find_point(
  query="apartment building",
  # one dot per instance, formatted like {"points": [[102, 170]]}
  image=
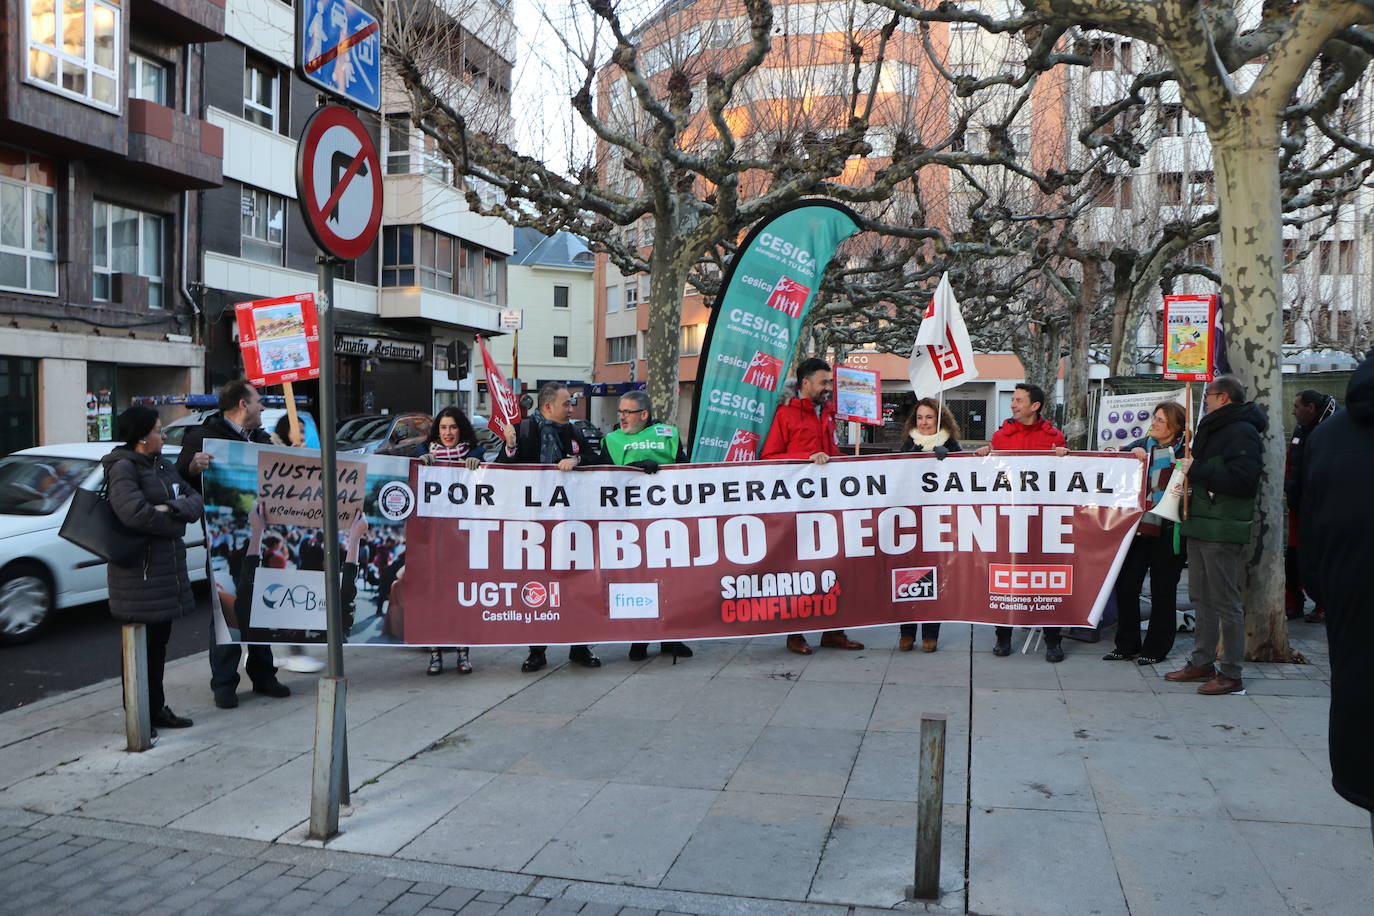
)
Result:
{"points": [[437, 271], [103, 155]]}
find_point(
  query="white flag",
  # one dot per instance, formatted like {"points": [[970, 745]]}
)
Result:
{"points": [[942, 356]]}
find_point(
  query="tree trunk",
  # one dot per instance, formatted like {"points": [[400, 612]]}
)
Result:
{"points": [[1077, 370], [1038, 350], [662, 341], [1246, 163]]}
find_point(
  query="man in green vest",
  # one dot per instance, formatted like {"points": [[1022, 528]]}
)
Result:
{"points": [[639, 442]]}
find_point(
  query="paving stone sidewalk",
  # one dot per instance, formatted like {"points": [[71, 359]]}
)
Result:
{"points": [[745, 780]]}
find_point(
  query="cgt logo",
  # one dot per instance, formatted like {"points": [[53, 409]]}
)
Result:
{"points": [[1026, 579], [914, 584]]}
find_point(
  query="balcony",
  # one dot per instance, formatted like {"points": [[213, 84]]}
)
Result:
{"points": [[187, 21], [172, 148], [439, 308]]}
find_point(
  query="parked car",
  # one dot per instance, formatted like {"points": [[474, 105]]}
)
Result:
{"points": [[176, 430], [40, 572], [366, 434]]}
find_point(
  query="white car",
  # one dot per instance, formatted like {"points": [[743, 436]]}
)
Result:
{"points": [[39, 571]]}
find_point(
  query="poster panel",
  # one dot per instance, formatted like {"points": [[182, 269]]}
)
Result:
{"points": [[280, 339], [858, 395], [1189, 326], [1124, 418]]}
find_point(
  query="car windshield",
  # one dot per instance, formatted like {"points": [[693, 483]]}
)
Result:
{"points": [[174, 434], [39, 484], [363, 429]]}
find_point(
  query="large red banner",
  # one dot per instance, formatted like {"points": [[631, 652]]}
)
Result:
{"points": [[519, 555]]}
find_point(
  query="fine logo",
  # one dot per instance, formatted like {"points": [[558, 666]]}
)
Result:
{"points": [[789, 296], [634, 600], [395, 501], [914, 584]]}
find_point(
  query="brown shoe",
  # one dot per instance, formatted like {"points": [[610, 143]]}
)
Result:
{"points": [[1220, 685], [927, 645], [835, 639], [1189, 673], [906, 643], [797, 643]]}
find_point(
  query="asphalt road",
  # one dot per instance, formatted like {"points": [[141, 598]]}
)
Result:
{"points": [[81, 646]]}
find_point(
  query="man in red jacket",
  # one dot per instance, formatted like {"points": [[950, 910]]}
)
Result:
{"points": [[1027, 431], [804, 427]]}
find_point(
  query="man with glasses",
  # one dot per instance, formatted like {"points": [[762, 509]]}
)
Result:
{"points": [[642, 442], [1223, 475]]}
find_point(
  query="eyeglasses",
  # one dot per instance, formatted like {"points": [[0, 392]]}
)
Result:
{"points": [[628, 412], [1211, 394]]}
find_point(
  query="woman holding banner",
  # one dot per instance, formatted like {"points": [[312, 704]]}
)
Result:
{"points": [[922, 433], [1153, 550], [451, 440]]}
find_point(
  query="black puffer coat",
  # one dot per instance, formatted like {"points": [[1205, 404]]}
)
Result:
{"points": [[157, 588], [1337, 542]]}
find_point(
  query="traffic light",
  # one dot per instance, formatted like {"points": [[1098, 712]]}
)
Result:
{"points": [[459, 354]]}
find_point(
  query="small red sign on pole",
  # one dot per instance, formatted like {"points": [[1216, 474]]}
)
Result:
{"points": [[280, 339], [1189, 329]]}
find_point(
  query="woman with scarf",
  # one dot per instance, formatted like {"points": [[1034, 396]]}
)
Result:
{"points": [[923, 433], [1154, 550], [451, 440]]}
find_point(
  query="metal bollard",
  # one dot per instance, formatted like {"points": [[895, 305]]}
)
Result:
{"points": [[328, 772], [138, 729], [930, 807]]}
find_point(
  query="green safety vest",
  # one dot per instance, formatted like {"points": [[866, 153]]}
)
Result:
{"points": [[657, 442]]}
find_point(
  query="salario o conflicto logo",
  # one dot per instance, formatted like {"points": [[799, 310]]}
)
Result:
{"points": [[395, 500]]}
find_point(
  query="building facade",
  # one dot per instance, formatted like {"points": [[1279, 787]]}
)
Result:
{"points": [[105, 152]]}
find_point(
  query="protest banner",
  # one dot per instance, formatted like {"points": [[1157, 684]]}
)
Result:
{"points": [[1124, 418], [530, 555], [750, 338]]}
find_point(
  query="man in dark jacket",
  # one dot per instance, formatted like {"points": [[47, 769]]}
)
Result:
{"points": [[548, 437], [1223, 475], [804, 427], [1310, 407], [1338, 542], [239, 417]]}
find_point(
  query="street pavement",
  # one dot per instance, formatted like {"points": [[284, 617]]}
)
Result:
{"points": [[745, 780]]}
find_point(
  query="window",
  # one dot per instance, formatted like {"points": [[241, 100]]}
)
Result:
{"points": [[436, 260], [632, 295], [493, 278], [1171, 187], [417, 256], [1171, 119], [1201, 253], [401, 152], [468, 260], [1292, 249], [689, 339], [261, 100], [1337, 257], [127, 242], [1096, 113], [1200, 188], [147, 79], [398, 144], [560, 347], [620, 349], [262, 218], [1107, 54], [73, 46], [560, 297], [28, 258], [613, 298], [398, 255]]}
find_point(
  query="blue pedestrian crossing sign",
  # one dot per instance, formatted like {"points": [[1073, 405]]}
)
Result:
{"points": [[339, 49]]}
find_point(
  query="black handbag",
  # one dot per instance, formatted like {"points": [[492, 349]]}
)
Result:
{"points": [[91, 524]]}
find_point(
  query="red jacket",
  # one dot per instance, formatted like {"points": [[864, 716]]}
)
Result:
{"points": [[1040, 436], [798, 433]]}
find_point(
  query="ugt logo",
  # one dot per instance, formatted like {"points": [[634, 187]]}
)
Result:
{"points": [[788, 296], [744, 446], [914, 584], [763, 371]]}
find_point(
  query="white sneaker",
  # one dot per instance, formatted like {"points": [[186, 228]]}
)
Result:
{"points": [[304, 664]]}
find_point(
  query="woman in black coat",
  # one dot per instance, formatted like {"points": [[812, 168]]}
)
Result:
{"points": [[149, 497], [922, 433]]}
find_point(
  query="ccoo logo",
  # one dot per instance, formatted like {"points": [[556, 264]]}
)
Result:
{"points": [[1029, 579]]}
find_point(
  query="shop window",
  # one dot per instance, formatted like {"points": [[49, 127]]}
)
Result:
{"points": [[100, 400], [28, 257], [262, 217], [72, 49], [560, 347], [18, 403], [127, 243], [148, 79]]}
